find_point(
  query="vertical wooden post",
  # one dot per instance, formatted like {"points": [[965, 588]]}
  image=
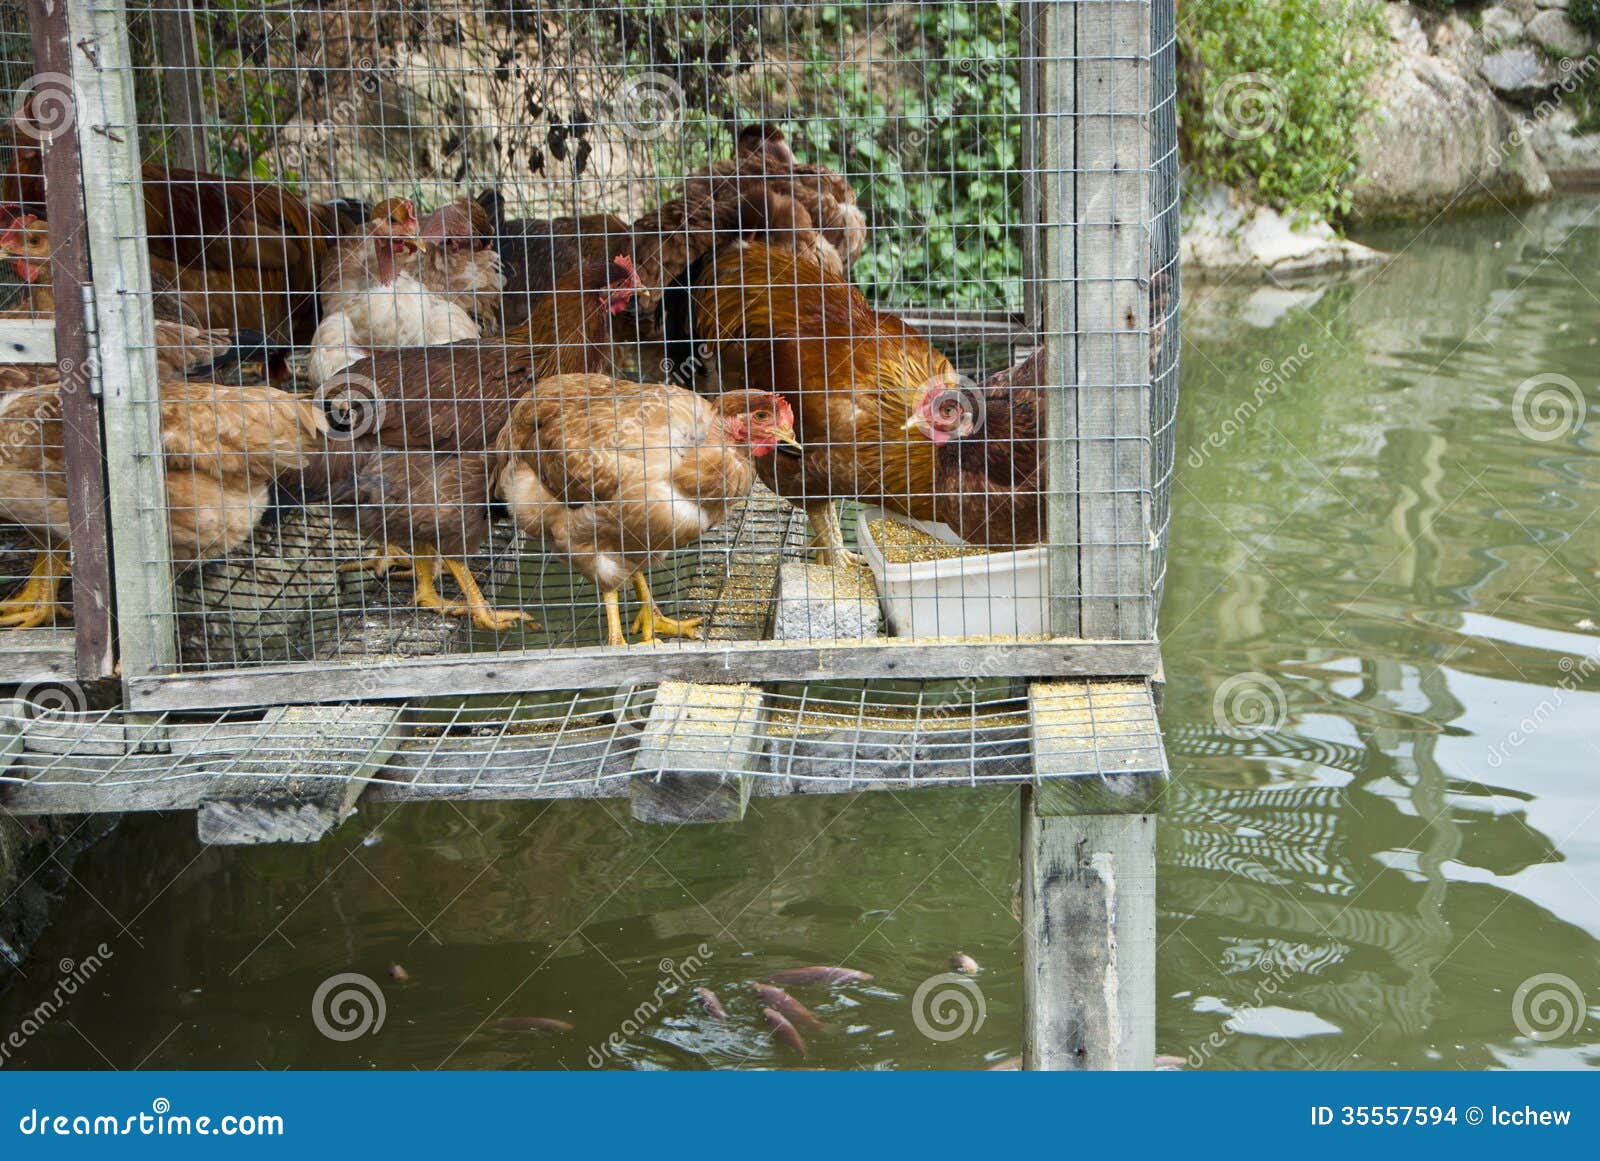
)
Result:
{"points": [[1089, 875], [125, 334], [1054, 34], [1113, 244], [183, 105], [80, 414]]}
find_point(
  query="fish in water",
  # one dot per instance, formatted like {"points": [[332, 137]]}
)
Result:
{"points": [[782, 1001], [530, 1024], [1009, 1064], [965, 964], [785, 1033], [399, 974], [712, 1005], [790, 977]]}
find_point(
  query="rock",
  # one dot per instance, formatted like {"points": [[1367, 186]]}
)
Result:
{"points": [[1225, 236], [1524, 10], [1501, 26], [1405, 26], [1557, 35], [1571, 158], [1518, 74], [1561, 4], [1437, 139], [820, 603]]}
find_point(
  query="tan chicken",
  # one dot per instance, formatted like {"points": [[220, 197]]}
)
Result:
{"points": [[413, 472], [224, 446], [370, 304], [614, 475]]}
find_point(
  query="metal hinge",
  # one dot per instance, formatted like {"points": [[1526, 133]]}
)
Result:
{"points": [[91, 333]]}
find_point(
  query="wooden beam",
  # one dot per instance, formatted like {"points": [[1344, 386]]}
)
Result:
{"points": [[306, 787], [94, 647], [1053, 33], [525, 671], [1089, 939], [1112, 237], [33, 656], [125, 333], [28, 340], [1088, 875], [183, 111], [699, 743]]}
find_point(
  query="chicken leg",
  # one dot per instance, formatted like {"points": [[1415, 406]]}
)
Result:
{"points": [[391, 558], [424, 566], [652, 621], [613, 618], [38, 601], [829, 537]]}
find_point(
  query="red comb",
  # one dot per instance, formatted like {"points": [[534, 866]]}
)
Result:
{"points": [[626, 263]]}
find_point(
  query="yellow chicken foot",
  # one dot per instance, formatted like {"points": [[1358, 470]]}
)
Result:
{"points": [[613, 618], [37, 602], [483, 614], [424, 566], [392, 558], [829, 539], [651, 621]]}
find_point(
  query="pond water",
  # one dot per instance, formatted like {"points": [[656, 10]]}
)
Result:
{"points": [[1385, 821]]}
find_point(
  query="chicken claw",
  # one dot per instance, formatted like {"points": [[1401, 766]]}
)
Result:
{"points": [[829, 539], [652, 622], [392, 558], [35, 603], [484, 615]]}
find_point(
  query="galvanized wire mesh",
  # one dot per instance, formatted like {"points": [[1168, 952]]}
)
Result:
{"points": [[529, 146]]}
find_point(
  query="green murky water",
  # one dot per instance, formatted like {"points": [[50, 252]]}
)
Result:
{"points": [[1383, 710]]}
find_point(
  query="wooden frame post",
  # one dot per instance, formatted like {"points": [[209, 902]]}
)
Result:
{"points": [[182, 97], [80, 413], [125, 334]]}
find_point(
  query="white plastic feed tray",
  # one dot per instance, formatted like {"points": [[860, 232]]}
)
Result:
{"points": [[997, 594]]}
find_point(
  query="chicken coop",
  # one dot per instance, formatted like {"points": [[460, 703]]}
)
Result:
{"points": [[643, 398]]}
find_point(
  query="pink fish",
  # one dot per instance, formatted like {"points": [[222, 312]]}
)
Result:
{"points": [[530, 1024], [791, 977], [785, 1032], [712, 1005], [782, 1001], [965, 964]]}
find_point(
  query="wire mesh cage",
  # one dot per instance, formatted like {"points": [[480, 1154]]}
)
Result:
{"points": [[533, 333]]}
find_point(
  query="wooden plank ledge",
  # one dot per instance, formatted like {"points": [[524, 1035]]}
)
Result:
{"points": [[699, 743], [301, 792]]}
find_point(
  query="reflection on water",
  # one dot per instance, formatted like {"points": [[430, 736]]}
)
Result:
{"points": [[1360, 874]]}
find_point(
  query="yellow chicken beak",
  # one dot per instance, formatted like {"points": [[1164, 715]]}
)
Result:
{"points": [[914, 421], [787, 438]]}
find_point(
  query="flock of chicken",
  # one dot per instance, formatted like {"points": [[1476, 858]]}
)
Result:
{"points": [[464, 363]]}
